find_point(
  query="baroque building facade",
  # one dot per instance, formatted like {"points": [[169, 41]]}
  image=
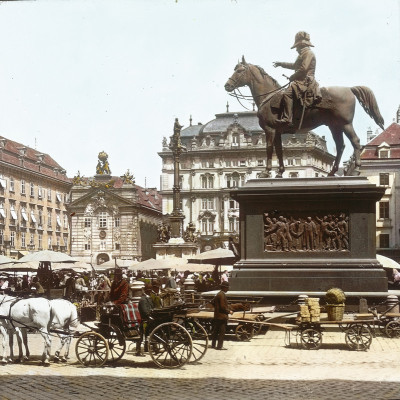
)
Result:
{"points": [[221, 155], [380, 162], [112, 217], [34, 190]]}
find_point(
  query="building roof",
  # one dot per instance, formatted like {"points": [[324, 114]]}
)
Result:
{"points": [[247, 119], [148, 197], [390, 137], [192, 130], [19, 155]]}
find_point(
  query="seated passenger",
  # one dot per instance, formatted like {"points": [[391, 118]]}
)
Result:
{"points": [[119, 289]]}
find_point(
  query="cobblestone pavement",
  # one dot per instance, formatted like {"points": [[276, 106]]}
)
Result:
{"points": [[261, 368]]}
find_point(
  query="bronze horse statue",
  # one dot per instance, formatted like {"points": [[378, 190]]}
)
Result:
{"points": [[336, 110]]}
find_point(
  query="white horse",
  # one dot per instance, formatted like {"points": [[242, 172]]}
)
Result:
{"points": [[64, 317], [34, 313]]}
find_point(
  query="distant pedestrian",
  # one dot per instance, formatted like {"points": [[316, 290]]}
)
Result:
{"points": [[221, 315]]}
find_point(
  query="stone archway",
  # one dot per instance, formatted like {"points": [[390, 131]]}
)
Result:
{"points": [[102, 258]]}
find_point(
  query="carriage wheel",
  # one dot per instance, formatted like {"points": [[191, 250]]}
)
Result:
{"points": [[116, 342], [244, 332], [207, 325], [311, 339], [393, 329], [358, 337], [199, 339], [382, 325], [170, 345], [91, 349], [261, 329]]}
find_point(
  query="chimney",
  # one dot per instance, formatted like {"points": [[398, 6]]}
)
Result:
{"points": [[398, 115], [370, 135]]}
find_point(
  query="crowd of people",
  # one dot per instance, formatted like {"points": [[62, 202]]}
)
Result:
{"points": [[86, 286]]}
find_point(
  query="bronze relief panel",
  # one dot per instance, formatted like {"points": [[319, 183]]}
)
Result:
{"points": [[306, 232]]}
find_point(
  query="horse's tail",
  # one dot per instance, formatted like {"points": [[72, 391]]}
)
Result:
{"points": [[367, 99]]}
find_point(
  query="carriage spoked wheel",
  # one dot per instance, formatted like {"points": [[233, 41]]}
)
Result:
{"points": [[244, 332], [311, 339], [207, 325], [358, 337], [383, 324], [199, 339], [393, 329], [170, 345], [260, 328], [92, 349], [115, 340]]}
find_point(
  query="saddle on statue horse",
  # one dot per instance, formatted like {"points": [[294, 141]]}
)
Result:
{"points": [[300, 106]]}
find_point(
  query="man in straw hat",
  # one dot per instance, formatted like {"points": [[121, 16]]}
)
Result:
{"points": [[303, 85], [221, 312]]}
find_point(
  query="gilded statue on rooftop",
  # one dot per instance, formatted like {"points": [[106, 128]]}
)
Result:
{"points": [[103, 168]]}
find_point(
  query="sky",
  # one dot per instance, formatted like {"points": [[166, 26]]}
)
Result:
{"points": [[81, 76]]}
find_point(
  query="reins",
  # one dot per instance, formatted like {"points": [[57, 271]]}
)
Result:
{"points": [[246, 97]]}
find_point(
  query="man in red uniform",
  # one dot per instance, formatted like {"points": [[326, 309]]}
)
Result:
{"points": [[119, 288], [221, 312]]}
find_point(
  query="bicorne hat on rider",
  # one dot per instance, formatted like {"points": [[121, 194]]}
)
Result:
{"points": [[302, 38]]}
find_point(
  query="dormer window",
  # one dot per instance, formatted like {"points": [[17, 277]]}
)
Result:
{"points": [[384, 150]]}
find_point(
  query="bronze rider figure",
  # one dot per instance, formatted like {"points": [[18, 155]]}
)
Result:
{"points": [[303, 85]]}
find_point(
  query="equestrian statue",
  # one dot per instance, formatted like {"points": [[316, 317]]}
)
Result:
{"points": [[301, 105]]}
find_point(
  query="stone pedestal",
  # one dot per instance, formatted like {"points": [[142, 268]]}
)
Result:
{"points": [[308, 234], [176, 248]]}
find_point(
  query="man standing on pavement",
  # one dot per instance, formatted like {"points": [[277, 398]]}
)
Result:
{"points": [[221, 313], [146, 305]]}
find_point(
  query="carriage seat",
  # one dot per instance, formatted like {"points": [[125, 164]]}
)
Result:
{"points": [[130, 315]]}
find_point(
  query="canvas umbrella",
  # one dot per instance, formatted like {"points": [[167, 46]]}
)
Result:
{"points": [[76, 267], [150, 264], [387, 262], [19, 267], [215, 257], [47, 256], [6, 260]]}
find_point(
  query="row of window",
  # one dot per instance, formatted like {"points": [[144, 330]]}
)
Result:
{"points": [[102, 221], [230, 163], [102, 246], [209, 204], [40, 191], [31, 240], [30, 216], [207, 225]]}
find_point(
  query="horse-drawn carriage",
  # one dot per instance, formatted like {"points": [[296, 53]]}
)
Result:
{"points": [[174, 338]]}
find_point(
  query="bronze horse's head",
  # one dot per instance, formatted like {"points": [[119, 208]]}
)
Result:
{"points": [[239, 77]]}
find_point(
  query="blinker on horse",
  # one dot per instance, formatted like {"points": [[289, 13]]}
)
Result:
{"points": [[336, 110]]}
